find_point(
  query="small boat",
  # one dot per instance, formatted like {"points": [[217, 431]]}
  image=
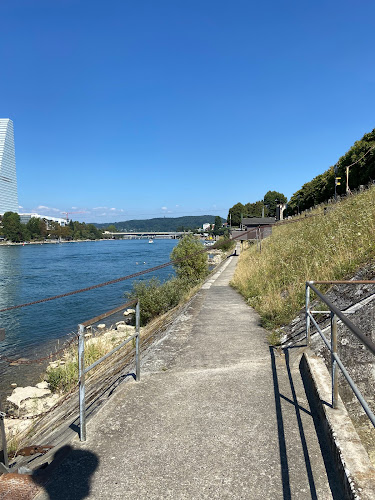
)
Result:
{"points": [[151, 241]]}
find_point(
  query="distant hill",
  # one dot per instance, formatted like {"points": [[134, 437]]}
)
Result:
{"points": [[162, 223]]}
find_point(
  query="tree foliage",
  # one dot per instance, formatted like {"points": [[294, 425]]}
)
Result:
{"points": [[235, 214], [13, 230], [40, 229], [322, 187], [218, 226], [188, 259], [253, 209], [272, 199], [268, 205], [37, 228], [188, 223]]}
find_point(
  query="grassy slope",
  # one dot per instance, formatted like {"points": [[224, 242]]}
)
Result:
{"points": [[326, 247]]}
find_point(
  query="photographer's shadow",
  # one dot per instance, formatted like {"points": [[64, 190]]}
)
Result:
{"points": [[68, 475]]}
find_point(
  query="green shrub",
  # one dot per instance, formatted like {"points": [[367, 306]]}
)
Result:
{"points": [[189, 259], [63, 378], [157, 298], [225, 244]]}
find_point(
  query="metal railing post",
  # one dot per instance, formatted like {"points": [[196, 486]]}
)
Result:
{"points": [[81, 368], [137, 360], [2, 415], [3, 439], [335, 387], [308, 323]]}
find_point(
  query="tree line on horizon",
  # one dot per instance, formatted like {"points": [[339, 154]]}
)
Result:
{"points": [[39, 229], [186, 223]]}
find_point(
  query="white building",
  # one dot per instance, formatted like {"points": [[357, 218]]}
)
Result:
{"points": [[8, 179], [24, 218]]}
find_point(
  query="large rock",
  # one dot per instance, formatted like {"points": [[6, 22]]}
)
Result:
{"points": [[31, 400]]}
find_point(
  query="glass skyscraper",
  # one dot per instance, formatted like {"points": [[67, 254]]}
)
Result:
{"points": [[8, 179]]}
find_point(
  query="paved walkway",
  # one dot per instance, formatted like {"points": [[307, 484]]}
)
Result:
{"points": [[217, 414]]}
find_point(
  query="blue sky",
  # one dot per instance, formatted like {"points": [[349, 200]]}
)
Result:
{"points": [[134, 109]]}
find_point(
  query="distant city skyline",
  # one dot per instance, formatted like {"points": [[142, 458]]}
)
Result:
{"points": [[145, 109]]}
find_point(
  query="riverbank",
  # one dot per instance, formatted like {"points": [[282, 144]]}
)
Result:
{"points": [[61, 375], [40, 271], [48, 242]]}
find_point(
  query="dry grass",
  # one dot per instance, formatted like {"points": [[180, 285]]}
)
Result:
{"points": [[64, 377], [326, 247]]}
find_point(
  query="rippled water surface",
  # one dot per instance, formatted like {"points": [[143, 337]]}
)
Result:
{"points": [[34, 272]]}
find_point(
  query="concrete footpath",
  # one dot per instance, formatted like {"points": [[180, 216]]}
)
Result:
{"points": [[217, 414]]}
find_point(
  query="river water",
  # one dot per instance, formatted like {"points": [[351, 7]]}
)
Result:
{"points": [[34, 272]]}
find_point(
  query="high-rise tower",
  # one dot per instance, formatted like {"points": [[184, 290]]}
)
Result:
{"points": [[8, 179]]}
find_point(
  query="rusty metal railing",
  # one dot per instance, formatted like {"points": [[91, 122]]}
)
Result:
{"points": [[336, 362], [81, 358]]}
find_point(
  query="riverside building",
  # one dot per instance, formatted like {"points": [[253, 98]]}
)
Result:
{"points": [[8, 179]]}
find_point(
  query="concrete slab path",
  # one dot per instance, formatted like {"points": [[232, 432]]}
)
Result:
{"points": [[217, 414]]}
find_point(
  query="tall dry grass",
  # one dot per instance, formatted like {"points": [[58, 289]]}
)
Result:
{"points": [[326, 247]]}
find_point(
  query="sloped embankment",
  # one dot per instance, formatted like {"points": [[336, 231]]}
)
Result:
{"points": [[328, 246]]}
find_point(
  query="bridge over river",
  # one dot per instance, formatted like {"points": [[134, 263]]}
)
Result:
{"points": [[126, 235]]}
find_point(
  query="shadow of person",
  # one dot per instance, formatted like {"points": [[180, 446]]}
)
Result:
{"points": [[68, 475]]}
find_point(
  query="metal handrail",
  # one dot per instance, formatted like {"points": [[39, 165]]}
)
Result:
{"points": [[81, 359], [335, 359]]}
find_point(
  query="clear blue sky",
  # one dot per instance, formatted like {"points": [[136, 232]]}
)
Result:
{"points": [[134, 109]]}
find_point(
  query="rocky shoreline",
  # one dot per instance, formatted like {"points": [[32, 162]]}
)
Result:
{"points": [[26, 403]]}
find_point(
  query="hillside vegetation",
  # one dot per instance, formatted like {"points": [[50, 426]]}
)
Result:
{"points": [[163, 223], [361, 157], [324, 247]]}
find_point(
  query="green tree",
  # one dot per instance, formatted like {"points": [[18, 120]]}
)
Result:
{"points": [[37, 228], [236, 212], [218, 229], [271, 199], [13, 230], [189, 259], [112, 228], [54, 231], [253, 209]]}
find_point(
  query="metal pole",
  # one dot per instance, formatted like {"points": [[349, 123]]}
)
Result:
{"points": [[308, 326], [2, 416], [4, 439], [137, 360], [335, 373], [81, 368], [347, 180]]}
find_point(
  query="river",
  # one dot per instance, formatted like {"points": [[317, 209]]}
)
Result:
{"points": [[34, 272]]}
